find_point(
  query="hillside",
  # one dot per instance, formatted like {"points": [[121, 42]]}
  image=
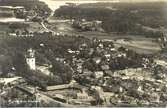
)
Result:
{"points": [[131, 18]]}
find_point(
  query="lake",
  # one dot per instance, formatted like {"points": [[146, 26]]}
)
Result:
{"points": [[11, 19], [55, 4]]}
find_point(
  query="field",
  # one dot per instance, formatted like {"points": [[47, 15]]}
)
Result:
{"points": [[146, 46], [4, 27], [138, 43]]}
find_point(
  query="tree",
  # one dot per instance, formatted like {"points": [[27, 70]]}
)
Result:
{"points": [[158, 71], [62, 70], [19, 62], [6, 65]]}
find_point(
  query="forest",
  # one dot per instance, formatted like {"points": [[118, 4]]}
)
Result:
{"points": [[130, 18]]}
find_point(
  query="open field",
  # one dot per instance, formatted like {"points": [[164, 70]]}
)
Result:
{"points": [[139, 43], [146, 46]]}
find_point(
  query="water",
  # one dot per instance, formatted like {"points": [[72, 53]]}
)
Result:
{"points": [[11, 19], [53, 5]]}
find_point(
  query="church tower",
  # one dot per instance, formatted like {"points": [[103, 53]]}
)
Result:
{"points": [[30, 59]]}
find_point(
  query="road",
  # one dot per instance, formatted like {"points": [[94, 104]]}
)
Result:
{"points": [[49, 30]]}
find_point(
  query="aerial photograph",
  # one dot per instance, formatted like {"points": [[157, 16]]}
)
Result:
{"points": [[83, 53]]}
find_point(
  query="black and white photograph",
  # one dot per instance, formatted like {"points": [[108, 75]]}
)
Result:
{"points": [[83, 53]]}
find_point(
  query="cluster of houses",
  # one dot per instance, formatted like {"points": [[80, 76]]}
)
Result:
{"points": [[107, 76], [87, 25], [25, 33], [127, 85], [101, 56]]}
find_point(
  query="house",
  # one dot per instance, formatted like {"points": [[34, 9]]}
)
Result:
{"points": [[58, 87], [72, 52], [98, 74], [91, 51], [12, 34], [79, 67], [59, 97], [97, 60], [86, 72], [101, 45], [44, 69], [107, 56], [105, 67], [14, 80], [87, 25], [83, 46], [82, 95]]}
